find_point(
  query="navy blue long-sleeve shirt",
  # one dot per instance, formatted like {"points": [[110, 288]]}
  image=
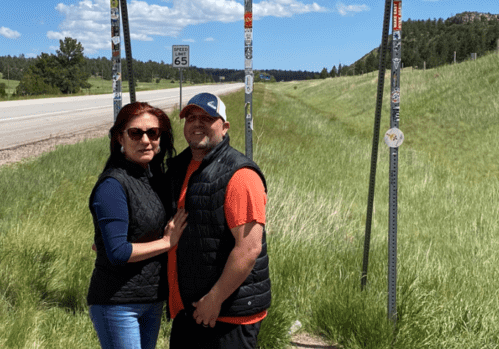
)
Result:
{"points": [[111, 209]]}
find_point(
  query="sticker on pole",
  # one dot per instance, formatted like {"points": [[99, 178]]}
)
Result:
{"points": [[115, 13], [248, 37], [394, 138], [397, 15], [248, 20], [248, 84]]}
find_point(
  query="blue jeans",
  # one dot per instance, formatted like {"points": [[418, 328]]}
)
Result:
{"points": [[127, 326]]}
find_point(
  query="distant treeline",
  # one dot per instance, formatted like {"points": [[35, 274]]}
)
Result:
{"points": [[13, 67]]}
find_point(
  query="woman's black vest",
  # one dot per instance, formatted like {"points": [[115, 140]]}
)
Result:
{"points": [[138, 282], [207, 241]]}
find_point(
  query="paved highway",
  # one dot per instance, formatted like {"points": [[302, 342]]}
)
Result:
{"points": [[23, 122]]}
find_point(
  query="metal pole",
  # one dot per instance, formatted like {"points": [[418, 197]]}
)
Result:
{"points": [[116, 57], [248, 79], [374, 154], [128, 51], [394, 138], [180, 88]]}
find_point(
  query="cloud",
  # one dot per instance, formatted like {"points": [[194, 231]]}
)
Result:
{"points": [[140, 37], [189, 40], [284, 8], [345, 10], [9, 33], [89, 21], [209, 39]]}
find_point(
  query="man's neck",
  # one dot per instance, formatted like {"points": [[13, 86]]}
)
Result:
{"points": [[198, 154]]}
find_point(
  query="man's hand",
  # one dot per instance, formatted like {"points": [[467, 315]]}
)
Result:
{"points": [[239, 264], [207, 310]]}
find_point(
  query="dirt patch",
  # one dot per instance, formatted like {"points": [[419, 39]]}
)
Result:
{"points": [[305, 340], [25, 151]]}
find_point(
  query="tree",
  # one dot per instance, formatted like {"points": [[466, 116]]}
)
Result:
{"points": [[333, 73], [33, 84], [324, 73], [371, 63], [3, 93], [360, 67], [72, 75]]}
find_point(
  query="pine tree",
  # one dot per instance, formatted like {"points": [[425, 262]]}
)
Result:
{"points": [[324, 73], [333, 73]]}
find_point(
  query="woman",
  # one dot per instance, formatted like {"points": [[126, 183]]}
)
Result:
{"points": [[126, 293]]}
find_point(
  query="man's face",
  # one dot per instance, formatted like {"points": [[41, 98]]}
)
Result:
{"points": [[202, 131]]}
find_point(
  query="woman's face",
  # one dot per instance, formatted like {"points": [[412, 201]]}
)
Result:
{"points": [[140, 139]]}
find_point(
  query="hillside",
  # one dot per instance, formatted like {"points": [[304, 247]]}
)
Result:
{"points": [[466, 17], [432, 42]]}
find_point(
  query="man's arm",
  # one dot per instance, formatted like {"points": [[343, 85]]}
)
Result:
{"points": [[239, 265]]}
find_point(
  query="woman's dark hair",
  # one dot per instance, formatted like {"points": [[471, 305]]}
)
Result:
{"points": [[126, 114]]}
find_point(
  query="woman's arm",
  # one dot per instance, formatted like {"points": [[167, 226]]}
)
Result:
{"points": [[111, 208], [173, 231]]}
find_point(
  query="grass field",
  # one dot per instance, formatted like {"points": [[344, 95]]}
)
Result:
{"points": [[99, 86], [312, 140]]}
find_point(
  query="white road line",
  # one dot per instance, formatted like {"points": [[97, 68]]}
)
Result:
{"points": [[72, 111]]}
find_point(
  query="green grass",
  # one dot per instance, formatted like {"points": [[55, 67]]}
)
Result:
{"points": [[312, 139], [10, 86]]}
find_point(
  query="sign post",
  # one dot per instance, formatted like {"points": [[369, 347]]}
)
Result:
{"points": [[394, 138], [128, 50], [374, 153], [116, 56], [248, 76], [180, 59]]}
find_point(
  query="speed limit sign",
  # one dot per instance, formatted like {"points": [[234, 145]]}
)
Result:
{"points": [[180, 57]]}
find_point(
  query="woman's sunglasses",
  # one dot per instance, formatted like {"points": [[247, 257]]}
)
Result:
{"points": [[136, 134]]}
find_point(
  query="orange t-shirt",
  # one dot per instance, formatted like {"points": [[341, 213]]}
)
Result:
{"points": [[245, 201]]}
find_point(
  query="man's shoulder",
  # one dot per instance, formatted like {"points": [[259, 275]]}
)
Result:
{"points": [[234, 158]]}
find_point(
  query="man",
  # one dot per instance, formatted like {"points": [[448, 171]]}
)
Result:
{"points": [[218, 275]]}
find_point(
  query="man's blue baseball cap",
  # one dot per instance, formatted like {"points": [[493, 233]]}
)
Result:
{"points": [[210, 103]]}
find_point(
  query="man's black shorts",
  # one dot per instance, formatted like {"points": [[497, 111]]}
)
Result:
{"points": [[186, 333]]}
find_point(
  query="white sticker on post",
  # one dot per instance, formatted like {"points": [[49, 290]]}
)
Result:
{"points": [[248, 81], [394, 138]]}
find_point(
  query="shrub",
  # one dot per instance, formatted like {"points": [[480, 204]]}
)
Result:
{"points": [[3, 92]]}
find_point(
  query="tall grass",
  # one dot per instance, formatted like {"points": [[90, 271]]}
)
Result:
{"points": [[313, 141]]}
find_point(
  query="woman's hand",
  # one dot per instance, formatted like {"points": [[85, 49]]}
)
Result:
{"points": [[175, 227]]}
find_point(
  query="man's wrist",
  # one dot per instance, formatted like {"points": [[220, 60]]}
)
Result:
{"points": [[216, 296]]}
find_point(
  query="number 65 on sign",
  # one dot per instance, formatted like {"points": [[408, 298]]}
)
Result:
{"points": [[180, 56]]}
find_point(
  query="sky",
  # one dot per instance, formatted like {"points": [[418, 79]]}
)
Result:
{"points": [[287, 34]]}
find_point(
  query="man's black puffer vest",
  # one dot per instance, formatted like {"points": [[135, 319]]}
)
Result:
{"points": [[207, 241], [133, 282]]}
